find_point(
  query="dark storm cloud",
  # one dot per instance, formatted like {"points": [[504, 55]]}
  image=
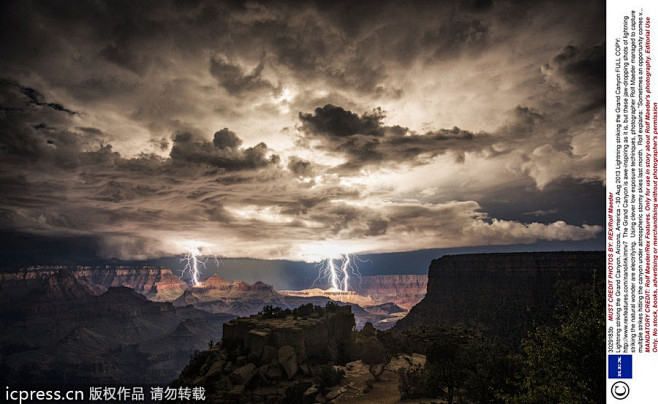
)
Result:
{"points": [[226, 139], [234, 79], [37, 98], [582, 70], [97, 49], [33, 128], [366, 141], [222, 153], [16, 97], [335, 121]]}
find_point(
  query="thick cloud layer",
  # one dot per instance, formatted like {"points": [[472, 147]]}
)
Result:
{"points": [[301, 130]]}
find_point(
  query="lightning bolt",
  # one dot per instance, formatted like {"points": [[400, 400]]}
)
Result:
{"points": [[346, 276], [194, 263], [339, 275], [332, 273]]}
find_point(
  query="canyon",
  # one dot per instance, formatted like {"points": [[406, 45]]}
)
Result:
{"points": [[111, 323], [65, 332]]}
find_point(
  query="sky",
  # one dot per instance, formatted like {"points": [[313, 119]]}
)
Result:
{"points": [[298, 131]]}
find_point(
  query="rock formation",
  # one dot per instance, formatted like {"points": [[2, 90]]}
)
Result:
{"points": [[276, 358], [158, 284], [317, 336], [217, 295], [403, 290], [502, 294]]}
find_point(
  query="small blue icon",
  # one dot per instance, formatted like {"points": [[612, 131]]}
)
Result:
{"points": [[620, 366]]}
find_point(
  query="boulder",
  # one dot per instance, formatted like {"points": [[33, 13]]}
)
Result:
{"points": [[269, 355], [334, 392], [309, 395], [288, 360], [244, 374], [214, 371], [272, 371]]}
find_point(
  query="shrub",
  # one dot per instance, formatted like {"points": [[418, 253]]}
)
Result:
{"points": [[330, 376], [275, 312], [413, 383], [376, 356]]}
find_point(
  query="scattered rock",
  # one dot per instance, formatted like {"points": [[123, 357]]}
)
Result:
{"points": [[244, 374], [334, 392], [272, 371], [215, 370], [309, 395], [237, 390]]}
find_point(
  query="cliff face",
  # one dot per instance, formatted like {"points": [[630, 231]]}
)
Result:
{"points": [[403, 290], [167, 287], [158, 284], [217, 295], [216, 288], [499, 293], [62, 332]]}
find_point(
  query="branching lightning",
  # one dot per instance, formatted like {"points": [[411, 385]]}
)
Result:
{"points": [[338, 273], [194, 263]]}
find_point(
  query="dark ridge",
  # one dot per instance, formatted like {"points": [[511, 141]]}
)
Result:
{"points": [[500, 294]]}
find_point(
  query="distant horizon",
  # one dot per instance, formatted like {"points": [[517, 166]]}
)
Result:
{"points": [[286, 274]]}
